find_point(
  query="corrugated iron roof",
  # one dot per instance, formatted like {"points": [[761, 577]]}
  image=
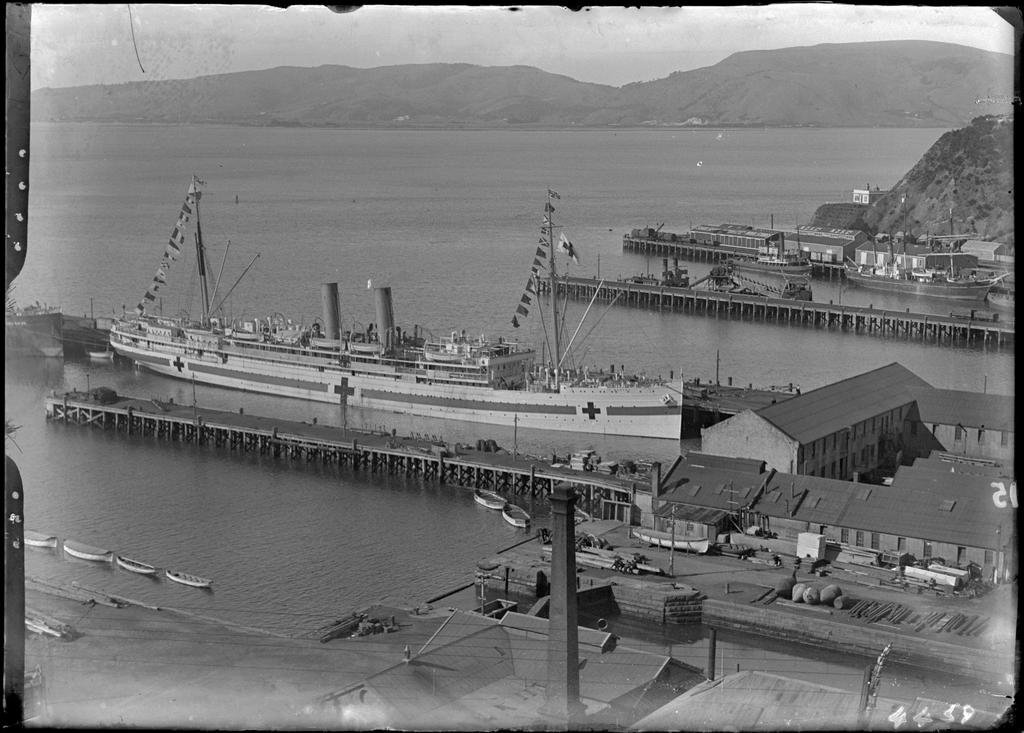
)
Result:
{"points": [[980, 247], [969, 409], [911, 507], [957, 509], [707, 460], [826, 410], [810, 498], [757, 701]]}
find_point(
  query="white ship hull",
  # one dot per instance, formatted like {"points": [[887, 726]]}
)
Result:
{"points": [[474, 380], [626, 411]]}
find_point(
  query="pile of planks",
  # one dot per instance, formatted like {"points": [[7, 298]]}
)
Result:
{"points": [[962, 624], [878, 611]]}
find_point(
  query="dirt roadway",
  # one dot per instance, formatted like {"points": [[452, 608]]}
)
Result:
{"points": [[136, 667]]}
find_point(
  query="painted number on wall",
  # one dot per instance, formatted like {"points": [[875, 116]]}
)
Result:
{"points": [[1003, 497]]}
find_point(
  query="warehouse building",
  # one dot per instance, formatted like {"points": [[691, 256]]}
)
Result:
{"points": [[738, 239], [963, 423], [826, 245], [934, 509], [849, 429]]}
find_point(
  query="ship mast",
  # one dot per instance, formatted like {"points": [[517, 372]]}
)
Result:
{"points": [[201, 254], [549, 231]]}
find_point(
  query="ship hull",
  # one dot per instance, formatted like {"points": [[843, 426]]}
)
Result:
{"points": [[1001, 301], [778, 271], [625, 411], [946, 291], [34, 334]]}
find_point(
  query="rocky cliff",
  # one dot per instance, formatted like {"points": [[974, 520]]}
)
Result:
{"points": [[966, 176]]}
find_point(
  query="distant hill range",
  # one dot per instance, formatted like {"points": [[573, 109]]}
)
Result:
{"points": [[966, 176], [888, 83]]}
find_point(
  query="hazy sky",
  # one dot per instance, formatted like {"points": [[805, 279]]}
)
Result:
{"points": [[90, 44]]}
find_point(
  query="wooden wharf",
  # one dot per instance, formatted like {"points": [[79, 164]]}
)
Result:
{"points": [[952, 330], [698, 252], [358, 450]]}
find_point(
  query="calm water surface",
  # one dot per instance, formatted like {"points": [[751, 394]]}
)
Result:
{"points": [[450, 221]]}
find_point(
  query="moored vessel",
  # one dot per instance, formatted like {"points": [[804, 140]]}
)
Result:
{"points": [[489, 499], [188, 579], [35, 330], [515, 515], [780, 265], [38, 539], [461, 377], [1001, 298], [85, 552], [134, 565]]}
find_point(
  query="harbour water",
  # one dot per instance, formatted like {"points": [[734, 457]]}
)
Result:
{"points": [[450, 221]]}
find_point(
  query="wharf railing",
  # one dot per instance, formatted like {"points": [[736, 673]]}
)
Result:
{"points": [[952, 330], [357, 450]]}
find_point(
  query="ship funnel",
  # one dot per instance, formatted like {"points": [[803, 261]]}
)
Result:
{"points": [[331, 310], [385, 318]]}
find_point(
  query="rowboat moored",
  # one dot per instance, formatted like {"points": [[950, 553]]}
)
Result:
{"points": [[135, 566], [85, 552], [38, 539], [187, 579], [488, 499], [515, 515]]}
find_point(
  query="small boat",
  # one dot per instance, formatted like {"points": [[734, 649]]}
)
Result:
{"points": [[734, 550], [497, 608], [1001, 298], [515, 515], [664, 539], [134, 565], [105, 355], [85, 552], [187, 579], [489, 499], [38, 539]]}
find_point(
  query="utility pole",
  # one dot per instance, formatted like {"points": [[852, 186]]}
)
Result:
{"points": [[672, 548], [515, 435]]}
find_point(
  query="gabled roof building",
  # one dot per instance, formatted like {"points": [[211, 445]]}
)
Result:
{"points": [[486, 675], [935, 508], [842, 430]]}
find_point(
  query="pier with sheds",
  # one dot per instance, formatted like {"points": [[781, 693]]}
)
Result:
{"points": [[357, 450], [952, 330]]}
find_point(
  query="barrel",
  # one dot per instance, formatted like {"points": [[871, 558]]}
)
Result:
{"points": [[798, 592], [812, 595], [830, 592]]}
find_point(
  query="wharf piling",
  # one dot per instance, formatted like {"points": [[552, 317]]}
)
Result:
{"points": [[952, 330], [360, 451]]}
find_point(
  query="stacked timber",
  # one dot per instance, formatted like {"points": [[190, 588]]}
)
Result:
{"points": [[581, 460]]}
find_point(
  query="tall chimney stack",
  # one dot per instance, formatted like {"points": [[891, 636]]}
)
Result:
{"points": [[563, 704]]}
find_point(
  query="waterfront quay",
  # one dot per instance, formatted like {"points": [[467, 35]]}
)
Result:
{"points": [[949, 330], [457, 465], [739, 594], [698, 252]]}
